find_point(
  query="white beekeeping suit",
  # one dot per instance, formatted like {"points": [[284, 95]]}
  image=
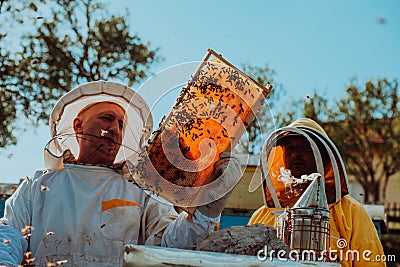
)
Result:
{"points": [[83, 215]]}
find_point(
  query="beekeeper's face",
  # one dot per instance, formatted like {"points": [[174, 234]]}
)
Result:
{"points": [[99, 130], [298, 156]]}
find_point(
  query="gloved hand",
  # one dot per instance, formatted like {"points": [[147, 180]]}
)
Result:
{"points": [[227, 168]]}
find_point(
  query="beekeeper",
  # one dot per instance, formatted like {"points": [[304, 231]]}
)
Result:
{"points": [[304, 148], [82, 209]]}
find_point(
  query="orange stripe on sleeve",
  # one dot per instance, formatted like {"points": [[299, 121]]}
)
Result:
{"points": [[112, 203]]}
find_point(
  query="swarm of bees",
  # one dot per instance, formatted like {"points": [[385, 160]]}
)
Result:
{"points": [[28, 257], [209, 117]]}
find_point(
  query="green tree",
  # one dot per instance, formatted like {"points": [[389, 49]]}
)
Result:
{"points": [[7, 96], [265, 120], [63, 43], [275, 113], [365, 125], [7, 110]]}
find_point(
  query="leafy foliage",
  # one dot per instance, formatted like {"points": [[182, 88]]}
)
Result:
{"points": [[264, 119], [63, 43], [365, 125]]}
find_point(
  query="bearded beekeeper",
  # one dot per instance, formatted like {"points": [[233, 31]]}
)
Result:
{"points": [[303, 148], [82, 210]]}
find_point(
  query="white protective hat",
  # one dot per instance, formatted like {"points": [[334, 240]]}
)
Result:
{"points": [[271, 162], [137, 126]]}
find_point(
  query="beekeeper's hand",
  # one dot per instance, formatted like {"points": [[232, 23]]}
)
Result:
{"points": [[227, 168]]}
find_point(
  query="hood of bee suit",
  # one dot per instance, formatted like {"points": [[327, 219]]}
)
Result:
{"points": [[138, 122], [327, 158]]}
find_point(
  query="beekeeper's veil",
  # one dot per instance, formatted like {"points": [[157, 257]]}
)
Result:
{"points": [[277, 189], [138, 121]]}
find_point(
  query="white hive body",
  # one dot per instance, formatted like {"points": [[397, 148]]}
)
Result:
{"points": [[305, 226]]}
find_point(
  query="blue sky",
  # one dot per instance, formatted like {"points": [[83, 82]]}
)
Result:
{"points": [[312, 46]]}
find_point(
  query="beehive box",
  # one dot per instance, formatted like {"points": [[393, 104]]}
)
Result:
{"points": [[209, 117]]}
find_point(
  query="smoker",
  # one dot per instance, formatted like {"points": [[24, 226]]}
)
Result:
{"points": [[305, 226]]}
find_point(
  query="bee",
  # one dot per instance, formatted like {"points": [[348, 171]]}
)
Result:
{"points": [[44, 188], [103, 132], [236, 120], [49, 234], [28, 258], [61, 262], [27, 229], [223, 118]]}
